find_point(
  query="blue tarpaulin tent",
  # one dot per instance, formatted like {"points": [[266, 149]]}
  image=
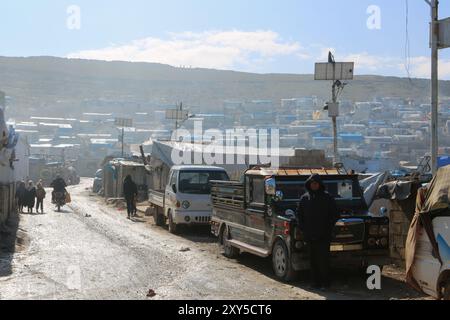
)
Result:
{"points": [[443, 161]]}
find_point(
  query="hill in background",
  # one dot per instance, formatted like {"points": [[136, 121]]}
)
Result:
{"points": [[48, 84]]}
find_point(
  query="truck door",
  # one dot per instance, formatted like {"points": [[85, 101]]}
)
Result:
{"points": [[170, 196], [255, 212]]}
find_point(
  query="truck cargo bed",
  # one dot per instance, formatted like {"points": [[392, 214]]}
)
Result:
{"points": [[156, 197]]}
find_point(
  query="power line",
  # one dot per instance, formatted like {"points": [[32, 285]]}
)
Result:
{"points": [[407, 43]]}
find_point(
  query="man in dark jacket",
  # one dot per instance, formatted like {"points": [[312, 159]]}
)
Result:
{"points": [[130, 192], [317, 215]]}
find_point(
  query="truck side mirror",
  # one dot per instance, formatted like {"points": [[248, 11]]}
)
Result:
{"points": [[270, 186], [174, 188]]}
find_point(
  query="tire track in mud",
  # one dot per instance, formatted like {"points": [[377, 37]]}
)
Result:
{"points": [[154, 263], [205, 273]]}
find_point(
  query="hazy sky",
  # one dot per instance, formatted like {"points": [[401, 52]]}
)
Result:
{"points": [[265, 36]]}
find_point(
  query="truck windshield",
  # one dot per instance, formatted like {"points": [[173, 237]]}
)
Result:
{"points": [[198, 182], [341, 189]]}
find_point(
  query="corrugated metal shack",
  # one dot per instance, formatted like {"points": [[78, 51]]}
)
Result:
{"points": [[401, 194], [115, 172]]}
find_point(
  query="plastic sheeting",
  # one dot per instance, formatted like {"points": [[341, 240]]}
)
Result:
{"points": [[371, 185], [438, 193], [396, 190]]}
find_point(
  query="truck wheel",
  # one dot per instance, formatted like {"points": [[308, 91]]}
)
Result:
{"points": [[158, 217], [446, 291], [173, 228], [281, 262], [228, 250]]}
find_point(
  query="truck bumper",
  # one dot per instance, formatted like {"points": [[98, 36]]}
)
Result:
{"points": [[215, 226], [192, 217], [346, 259]]}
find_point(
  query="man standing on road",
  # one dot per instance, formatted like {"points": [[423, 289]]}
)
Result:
{"points": [[130, 193], [40, 196], [317, 215]]}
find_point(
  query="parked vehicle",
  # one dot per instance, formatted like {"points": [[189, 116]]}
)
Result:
{"points": [[258, 216], [427, 248], [432, 276], [186, 199]]}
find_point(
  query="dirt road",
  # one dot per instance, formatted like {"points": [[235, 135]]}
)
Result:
{"points": [[91, 251]]}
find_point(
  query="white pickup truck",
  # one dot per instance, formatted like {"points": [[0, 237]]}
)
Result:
{"points": [[186, 199]]}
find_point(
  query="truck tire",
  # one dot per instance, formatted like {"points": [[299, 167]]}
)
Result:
{"points": [[173, 228], [446, 291], [158, 217], [282, 263], [228, 250]]}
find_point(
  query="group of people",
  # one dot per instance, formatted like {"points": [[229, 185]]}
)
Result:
{"points": [[28, 195]]}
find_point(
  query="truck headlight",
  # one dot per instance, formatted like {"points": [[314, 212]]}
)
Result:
{"points": [[186, 205], [374, 230]]}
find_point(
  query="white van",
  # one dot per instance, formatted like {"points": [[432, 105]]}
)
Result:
{"points": [[432, 277]]}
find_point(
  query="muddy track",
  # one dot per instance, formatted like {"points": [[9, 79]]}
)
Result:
{"points": [[91, 251]]}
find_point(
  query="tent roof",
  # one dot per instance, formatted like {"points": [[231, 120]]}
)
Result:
{"points": [[438, 193]]}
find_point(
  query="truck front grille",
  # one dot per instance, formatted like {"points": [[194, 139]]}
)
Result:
{"points": [[202, 219], [349, 231]]}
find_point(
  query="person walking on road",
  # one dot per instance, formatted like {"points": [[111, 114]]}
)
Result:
{"points": [[20, 195], [317, 215], [30, 195], [40, 196], [130, 193]]}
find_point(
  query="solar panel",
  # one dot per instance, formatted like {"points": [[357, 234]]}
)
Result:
{"points": [[334, 71]]}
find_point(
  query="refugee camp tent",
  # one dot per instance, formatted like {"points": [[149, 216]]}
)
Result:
{"points": [[432, 201]]}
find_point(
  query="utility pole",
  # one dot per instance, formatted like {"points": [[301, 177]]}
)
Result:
{"points": [[123, 139], [335, 129], [122, 123], [179, 113], [334, 71], [434, 4]]}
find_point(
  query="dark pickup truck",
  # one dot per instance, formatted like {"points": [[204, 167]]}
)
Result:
{"points": [[258, 216]]}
